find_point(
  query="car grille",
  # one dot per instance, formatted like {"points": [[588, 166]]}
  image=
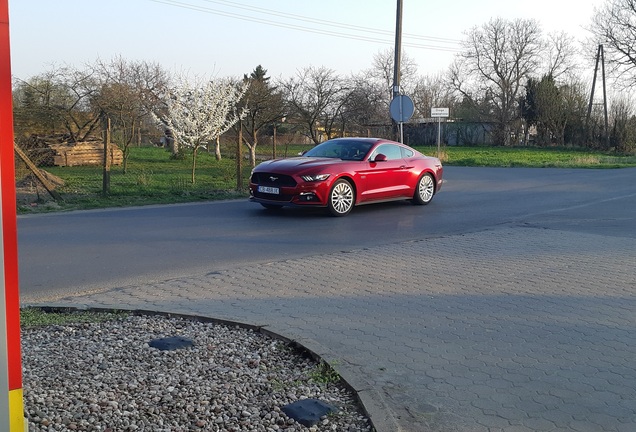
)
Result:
{"points": [[271, 179]]}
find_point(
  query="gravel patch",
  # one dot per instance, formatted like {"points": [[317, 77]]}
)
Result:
{"points": [[105, 377]]}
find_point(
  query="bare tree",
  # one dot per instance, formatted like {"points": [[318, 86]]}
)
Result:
{"points": [[129, 92], [364, 107], [199, 111], [623, 131], [432, 91], [264, 105], [35, 106], [382, 73], [496, 60], [560, 59], [66, 98], [614, 26], [316, 97]]}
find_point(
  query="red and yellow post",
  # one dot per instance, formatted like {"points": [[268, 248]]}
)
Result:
{"points": [[11, 400]]}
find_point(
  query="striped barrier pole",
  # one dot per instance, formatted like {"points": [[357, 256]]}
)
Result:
{"points": [[11, 398]]}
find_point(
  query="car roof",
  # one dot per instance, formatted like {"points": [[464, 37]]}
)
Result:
{"points": [[364, 139]]}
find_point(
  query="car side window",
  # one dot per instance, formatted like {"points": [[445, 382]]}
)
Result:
{"points": [[391, 151], [407, 153]]}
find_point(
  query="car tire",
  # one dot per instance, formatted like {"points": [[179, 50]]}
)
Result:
{"points": [[341, 198], [424, 190], [272, 206]]}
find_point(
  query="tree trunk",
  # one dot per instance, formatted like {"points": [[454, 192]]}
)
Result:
{"points": [[106, 162], [127, 144], [126, 153], [253, 155], [174, 147], [194, 162], [254, 144], [239, 157], [217, 148]]}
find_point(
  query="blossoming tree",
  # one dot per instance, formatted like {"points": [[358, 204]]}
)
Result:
{"points": [[199, 111]]}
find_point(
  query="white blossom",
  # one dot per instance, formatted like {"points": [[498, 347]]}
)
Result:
{"points": [[199, 111]]}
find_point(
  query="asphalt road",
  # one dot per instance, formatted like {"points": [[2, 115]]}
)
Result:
{"points": [[95, 250]]}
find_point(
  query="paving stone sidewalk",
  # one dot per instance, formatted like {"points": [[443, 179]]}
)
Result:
{"points": [[514, 329]]}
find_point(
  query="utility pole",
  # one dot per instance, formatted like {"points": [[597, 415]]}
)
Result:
{"points": [[600, 57], [398, 50], [401, 107], [397, 129]]}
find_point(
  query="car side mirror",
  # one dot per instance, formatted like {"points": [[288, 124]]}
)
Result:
{"points": [[379, 158]]}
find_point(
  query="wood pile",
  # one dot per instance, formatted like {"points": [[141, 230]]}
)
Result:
{"points": [[84, 153], [58, 151], [37, 147]]}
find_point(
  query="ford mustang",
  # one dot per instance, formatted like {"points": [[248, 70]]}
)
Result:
{"points": [[345, 172]]}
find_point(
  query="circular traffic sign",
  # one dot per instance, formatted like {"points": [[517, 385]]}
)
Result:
{"points": [[401, 108]]}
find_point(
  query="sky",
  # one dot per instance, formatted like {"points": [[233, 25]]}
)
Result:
{"points": [[223, 38]]}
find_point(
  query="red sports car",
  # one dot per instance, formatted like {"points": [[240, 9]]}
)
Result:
{"points": [[344, 172]]}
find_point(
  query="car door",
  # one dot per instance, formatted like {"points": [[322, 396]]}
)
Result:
{"points": [[387, 178]]}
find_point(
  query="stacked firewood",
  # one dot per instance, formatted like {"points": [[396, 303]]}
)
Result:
{"points": [[58, 151]]}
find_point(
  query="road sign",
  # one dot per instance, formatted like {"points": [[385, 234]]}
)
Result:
{"points": [[401, 108], [439, 112]]}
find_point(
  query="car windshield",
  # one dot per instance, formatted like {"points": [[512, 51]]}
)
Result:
{"points": [[341, 149]]}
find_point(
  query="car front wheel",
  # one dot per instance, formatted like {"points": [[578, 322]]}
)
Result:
{"points": [[341, 198], [424, 190]]}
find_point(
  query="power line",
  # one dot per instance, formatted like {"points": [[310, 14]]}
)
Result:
{"points": [[197, 8], [330, 23]]}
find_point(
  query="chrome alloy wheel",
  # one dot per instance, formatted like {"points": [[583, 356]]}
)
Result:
{"points": [[341, 198], [425, 189]]}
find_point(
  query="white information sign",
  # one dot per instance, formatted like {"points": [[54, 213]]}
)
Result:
{"points": [[439, 112]]}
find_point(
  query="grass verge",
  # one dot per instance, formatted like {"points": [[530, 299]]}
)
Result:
{"points": [[38, 317]]}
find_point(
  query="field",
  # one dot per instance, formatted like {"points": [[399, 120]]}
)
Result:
{"points": [[155, 178]]}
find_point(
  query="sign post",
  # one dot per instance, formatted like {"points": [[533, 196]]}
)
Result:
{"points": [[401, 110], [11, 400], [439, 113]]}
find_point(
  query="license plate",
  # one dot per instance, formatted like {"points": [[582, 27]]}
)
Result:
{"points": [[269, 190]]}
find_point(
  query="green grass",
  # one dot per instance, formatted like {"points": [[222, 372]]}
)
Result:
{"points": [[531, 157], [155, 178], [152, 178], [324, 374], [37, 317]]}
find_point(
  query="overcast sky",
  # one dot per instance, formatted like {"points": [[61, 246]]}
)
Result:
{"points": [[230, 38]]}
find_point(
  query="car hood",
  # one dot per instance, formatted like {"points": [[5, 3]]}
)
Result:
{"points": [[295, 164]]}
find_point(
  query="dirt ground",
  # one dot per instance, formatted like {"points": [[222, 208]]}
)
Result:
{"points": [[30, 193]]}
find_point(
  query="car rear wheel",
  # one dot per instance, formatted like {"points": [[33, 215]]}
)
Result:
{"points": [[341, 198], [424, 190]]}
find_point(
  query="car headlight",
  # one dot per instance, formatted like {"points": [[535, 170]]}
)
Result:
{"points": [[315, 178]]}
